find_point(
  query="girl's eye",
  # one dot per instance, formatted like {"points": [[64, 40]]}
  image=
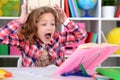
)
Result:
{"points": [[53, 24], [43, 24]]}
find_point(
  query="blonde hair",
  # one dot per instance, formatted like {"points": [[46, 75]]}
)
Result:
{"points": [[29, 30]]}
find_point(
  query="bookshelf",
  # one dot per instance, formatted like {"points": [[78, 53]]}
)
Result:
{"points": [[6, 59], [101, 26], [96, 24], [107, 24]]}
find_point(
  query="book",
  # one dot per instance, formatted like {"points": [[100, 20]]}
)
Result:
{"points": [[77, 9], [32, 4], [112, 73], [14, 51], [72, 11], [94, 38], [4, 49], [117, 14], [89, 37], [66, 8], [90, 55]]}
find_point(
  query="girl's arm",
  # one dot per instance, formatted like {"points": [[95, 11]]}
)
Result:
{"points": [[74, 33], [8, 32], [8, 29]]}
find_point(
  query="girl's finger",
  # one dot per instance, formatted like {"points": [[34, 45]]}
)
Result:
{"points": [[23, 8], [57, 6]]}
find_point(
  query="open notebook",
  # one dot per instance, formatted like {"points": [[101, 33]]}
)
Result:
{"points": [[90, 55]]}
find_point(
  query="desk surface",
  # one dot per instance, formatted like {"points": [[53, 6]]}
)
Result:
{"points": [[42, 73]]}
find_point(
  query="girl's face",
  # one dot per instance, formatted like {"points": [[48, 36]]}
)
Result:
{"points": [[46, 27]]}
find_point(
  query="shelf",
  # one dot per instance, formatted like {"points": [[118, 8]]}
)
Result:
{"points": [[110, 19], [100, 24], [84, 18], [9, 56], [8, 18], [96, 24], [115, 55]]}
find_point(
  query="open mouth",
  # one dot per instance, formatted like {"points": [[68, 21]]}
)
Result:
{"points": [[48, 36]]}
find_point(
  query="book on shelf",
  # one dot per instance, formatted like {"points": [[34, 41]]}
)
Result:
{"points": [[4, 49], [92, 37], [72, 10], [14, 51], [66, 8], [32, 4], [89, 37], [117, 13], [76, 7]]}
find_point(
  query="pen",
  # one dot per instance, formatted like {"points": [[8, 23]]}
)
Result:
{"points": [[83, 70]]}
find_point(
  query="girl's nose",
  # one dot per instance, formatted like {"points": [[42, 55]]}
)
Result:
{"points": [[49, 27]]}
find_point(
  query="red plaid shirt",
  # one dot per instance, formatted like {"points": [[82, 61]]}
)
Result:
{"points": [[30, 53]]}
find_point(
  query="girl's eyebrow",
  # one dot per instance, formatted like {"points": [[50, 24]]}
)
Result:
{"points": [[48, 20], [43, 20]]}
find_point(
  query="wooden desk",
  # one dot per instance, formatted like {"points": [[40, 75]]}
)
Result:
{"points": [[39, 74]]}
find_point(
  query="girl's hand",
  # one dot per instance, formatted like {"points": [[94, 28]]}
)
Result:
{"points": [[61, 14], [24, 15]]}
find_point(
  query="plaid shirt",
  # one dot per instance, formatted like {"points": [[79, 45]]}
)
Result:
{"points": [[30, 53]]}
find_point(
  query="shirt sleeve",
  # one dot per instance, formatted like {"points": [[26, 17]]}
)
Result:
{"points": [[7, 33], [74, 33]]}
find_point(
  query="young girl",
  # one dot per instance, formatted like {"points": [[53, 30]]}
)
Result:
{"points": [[36, 36]]}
